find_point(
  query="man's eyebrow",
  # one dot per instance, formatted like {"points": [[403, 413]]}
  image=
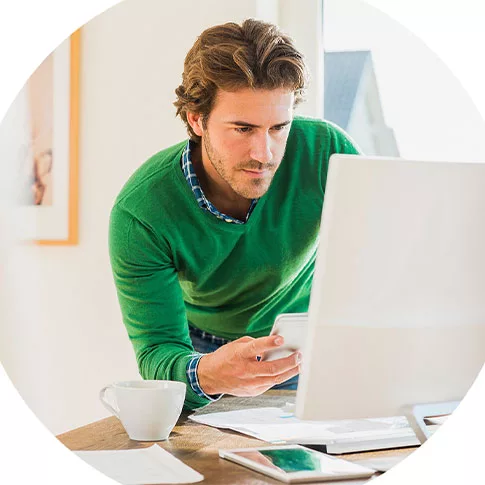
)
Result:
{"points": [[250, 125]]}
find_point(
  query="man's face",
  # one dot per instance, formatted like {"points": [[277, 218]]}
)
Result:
{"points": [[244, 139]]}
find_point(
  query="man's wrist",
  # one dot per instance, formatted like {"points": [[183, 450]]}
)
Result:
{"points": [[204, 377], [193, 378]]}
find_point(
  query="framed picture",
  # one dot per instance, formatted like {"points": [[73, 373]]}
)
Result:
{"points": [[47, 111]]}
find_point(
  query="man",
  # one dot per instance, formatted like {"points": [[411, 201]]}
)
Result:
{"points": [[212, 238]]}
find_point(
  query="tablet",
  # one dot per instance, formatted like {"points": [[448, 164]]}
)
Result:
{"points": [[293, 328], [296, 464]]}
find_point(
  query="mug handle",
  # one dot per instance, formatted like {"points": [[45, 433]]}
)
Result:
{"points": [[105, 403]]}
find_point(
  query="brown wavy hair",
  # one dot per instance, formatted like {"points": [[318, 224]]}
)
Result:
{"points": [[254, 54]]}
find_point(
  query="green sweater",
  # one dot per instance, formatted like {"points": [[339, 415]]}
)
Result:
{"points": [[175, 263]]}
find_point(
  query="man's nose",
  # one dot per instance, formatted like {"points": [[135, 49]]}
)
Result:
{"points": [[261, 148]]}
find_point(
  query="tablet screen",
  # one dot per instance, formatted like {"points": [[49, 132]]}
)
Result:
{"points": [[290, 460]]}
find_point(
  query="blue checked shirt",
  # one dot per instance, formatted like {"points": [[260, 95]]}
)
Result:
{"points": [[194, 380], [193, 181]]}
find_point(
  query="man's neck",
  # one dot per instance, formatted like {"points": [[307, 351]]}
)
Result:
{"points": [[217, 191]]}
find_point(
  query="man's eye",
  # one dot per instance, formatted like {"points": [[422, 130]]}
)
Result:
{"points": [[243, 129], [279, 128]]}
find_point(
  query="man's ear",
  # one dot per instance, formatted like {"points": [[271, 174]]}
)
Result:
{"points": [[195, 121]]}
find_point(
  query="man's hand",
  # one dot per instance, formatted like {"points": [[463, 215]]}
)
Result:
{"points": [[234, 368]]}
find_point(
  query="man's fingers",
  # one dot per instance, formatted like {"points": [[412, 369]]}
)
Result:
{"points": [[275, 367], [265, 383], [260, 345], [244, 339], [262, 384]]}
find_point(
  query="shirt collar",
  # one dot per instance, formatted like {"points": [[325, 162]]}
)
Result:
{"points": [[193, 182]]}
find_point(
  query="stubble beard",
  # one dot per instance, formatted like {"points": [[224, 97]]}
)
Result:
{"points": [[250, 188]]}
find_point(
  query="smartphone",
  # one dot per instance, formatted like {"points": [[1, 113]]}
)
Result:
{"points": [[296, 464], [293, 328]]}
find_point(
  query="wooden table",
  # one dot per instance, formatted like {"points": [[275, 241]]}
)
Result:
{"points": [[197, 445]]}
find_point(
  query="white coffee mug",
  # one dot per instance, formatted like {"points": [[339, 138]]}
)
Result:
{"points": [[148, 410]]}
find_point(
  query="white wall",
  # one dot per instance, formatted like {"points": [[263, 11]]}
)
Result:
{"points": [[61, 335], [303, 20]]}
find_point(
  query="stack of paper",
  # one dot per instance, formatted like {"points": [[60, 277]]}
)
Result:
{"points": [[274, 425], [145, 466]]}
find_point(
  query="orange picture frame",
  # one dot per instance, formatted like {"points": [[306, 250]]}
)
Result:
{"points": [[73, 162]]}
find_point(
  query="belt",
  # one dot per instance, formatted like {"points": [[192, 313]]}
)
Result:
{"points": [[208, 336]]}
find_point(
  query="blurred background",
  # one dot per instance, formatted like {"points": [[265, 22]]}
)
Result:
{"points": [[61, 334]]}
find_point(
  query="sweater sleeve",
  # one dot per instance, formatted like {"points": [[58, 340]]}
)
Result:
{"points": [[338, 142], [341, 142], [151, 301]]}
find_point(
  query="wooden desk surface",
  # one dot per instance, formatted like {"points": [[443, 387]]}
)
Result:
{"points": [[197, 445]]}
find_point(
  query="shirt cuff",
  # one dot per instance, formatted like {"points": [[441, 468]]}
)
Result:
{"points": [[194, 380]]}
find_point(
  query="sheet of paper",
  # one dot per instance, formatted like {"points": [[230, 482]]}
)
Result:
{"points": [[145, 466], [228, 419], [274, 425]]}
